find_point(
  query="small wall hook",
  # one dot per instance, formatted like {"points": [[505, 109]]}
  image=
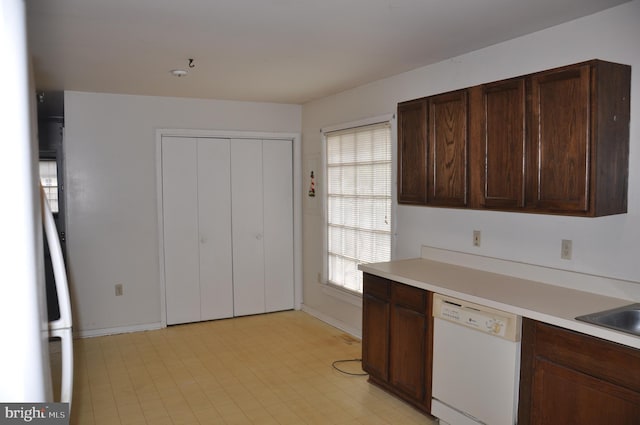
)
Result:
{"points": [[191, 64]]}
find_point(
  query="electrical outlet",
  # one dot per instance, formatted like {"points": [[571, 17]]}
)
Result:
{"points": [[476, 238], [119, 290], [566, 249]]}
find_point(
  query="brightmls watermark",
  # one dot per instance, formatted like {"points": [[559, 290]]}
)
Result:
{"points": [[34, 413]]}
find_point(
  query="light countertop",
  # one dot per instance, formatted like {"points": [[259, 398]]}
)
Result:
{"points": [[556, 305]]}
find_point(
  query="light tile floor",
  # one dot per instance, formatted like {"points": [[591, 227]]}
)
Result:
{"points": [[266, 369]]}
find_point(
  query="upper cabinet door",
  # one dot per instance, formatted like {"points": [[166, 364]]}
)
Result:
{"points": [[412, 152], [560, 152], [447, 149], [503, 144]]}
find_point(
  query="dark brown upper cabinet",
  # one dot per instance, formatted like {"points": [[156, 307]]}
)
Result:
{"points": [[560, 146], [554, 142], [432, 150], [412, 152], [498, 132], [447, 137], [579, 152]]}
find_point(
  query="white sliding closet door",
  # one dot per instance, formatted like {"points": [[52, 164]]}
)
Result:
{"points": [[181, 240], [227, 227], [278, 224], [214, 218], [197, 229], [247, 228]]}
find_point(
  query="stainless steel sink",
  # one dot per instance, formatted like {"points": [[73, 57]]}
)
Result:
{"points": [[625, 319]]}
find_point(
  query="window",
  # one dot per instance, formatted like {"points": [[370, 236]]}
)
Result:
{"points": [[49, 181], [358, 201]]}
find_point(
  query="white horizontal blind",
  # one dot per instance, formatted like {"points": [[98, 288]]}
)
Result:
{"points": [[358, 201], [49, 181]]}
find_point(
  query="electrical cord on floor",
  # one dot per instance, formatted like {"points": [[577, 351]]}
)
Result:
{"points": [[344, 371]]}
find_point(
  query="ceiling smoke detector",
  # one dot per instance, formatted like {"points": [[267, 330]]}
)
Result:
{"points": [[178, 72], [182, 72]]}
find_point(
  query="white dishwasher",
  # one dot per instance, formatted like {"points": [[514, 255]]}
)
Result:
{"points": [[476, 363]]}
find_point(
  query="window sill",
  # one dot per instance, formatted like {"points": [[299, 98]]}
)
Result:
{"points": [[342, 294]]}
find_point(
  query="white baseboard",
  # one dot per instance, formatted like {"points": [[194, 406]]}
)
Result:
{"points": [[154, 326], [118, 330], [332, 321]]}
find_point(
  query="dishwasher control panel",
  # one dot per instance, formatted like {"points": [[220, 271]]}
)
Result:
{"points": [[478, 317]]}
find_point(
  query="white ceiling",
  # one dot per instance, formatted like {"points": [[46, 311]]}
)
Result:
{"points": [[289, 51]]}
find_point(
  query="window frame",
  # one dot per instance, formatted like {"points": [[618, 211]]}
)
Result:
{"points": [[329, 288]]}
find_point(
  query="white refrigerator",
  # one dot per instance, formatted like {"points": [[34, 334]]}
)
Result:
{"points": [[25, 372]]}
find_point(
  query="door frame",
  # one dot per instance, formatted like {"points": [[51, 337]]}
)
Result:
{"points": [[297, 199]]}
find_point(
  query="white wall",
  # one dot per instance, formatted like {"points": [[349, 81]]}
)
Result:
{"points": [[603, 246], [112, 229]]}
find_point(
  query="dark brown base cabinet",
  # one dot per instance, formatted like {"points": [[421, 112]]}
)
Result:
{"points": [[397, 330], [568, 378]]}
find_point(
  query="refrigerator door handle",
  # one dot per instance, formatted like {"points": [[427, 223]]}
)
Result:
{"points": [[60, 328], [66, 345], [57, 261]]}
